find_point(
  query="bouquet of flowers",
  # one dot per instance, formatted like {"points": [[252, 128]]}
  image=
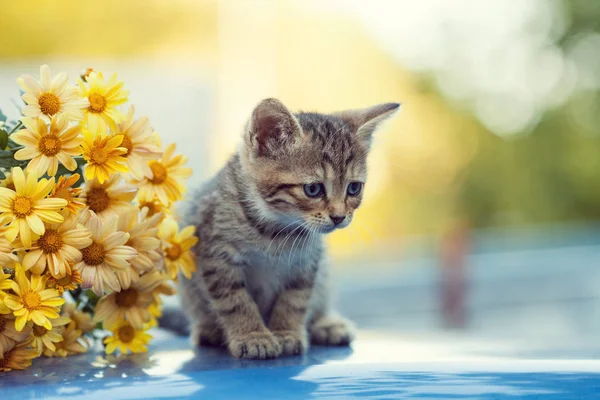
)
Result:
{"points": [[88, 236]]}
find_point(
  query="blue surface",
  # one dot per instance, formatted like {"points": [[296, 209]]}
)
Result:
{"points": [[378, 366]]}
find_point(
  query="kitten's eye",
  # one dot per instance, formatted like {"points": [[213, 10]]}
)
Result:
{"points": [[354, 188], [314, 189]]}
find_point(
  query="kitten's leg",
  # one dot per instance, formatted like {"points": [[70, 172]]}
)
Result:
{"points": [[326, 326], [207, 334], [288, 318], [237, 313]]}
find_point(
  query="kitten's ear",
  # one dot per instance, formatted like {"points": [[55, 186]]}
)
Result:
{"points": [[272, 126], [365, 121]]}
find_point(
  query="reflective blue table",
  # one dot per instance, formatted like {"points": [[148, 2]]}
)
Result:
{"points": [[378, 366]]}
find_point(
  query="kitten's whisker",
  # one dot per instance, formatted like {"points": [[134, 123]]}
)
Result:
{"points": [[277, 234]]}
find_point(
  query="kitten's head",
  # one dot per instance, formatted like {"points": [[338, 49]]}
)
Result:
{"points": [[309, 168]]}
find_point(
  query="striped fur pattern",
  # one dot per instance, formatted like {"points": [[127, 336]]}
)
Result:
{"points": [[262, 287]]}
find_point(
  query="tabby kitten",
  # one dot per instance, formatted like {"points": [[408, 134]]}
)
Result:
{"points": [[261, 287]]}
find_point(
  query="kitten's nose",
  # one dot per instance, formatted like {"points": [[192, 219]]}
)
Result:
{"points": [[337, 220]]}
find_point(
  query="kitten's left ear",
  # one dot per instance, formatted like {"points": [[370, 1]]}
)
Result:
{"points": [[366, 120]]}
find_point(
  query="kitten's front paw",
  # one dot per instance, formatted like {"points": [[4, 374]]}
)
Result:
{"points": [[332, 331], [255, 345], [292, 342]]}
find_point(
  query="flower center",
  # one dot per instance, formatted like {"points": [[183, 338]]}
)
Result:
{"points": [[31, 300], [159, 172], [97, 199], [126, 333], [93, 254], [99, 155], [97, 103], [39, 330], [50, 242], [49, 103], [63, 193], [152, 208], [22, 206], [64, 281], [49, 145], [3, 322], [127, 298], [128, 144], [174, 252]]}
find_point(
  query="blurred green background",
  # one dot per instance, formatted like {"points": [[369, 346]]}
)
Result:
{"points": [[500, 125]]}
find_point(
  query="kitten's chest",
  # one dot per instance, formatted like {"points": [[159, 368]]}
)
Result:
{"points": [[267, 276]]}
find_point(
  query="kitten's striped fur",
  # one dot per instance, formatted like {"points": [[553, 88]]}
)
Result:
{"points": [[262, 288]]}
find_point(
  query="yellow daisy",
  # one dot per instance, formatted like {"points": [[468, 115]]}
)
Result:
{"points": [[32, 301], [139, 142], [83, 321], [71, 344], [64, 190], [126, 338], [51, 96], [70, 281], [18, 357], [129, 304], [104, 156], [177, 245], [9, 335], [166, 179], [42, 338], [104, 256], [57, 247], [47, 145], [153, 206], [109, 199], [6, 251], [103, 98], [143, 236], [26, 208], [7, 182]]}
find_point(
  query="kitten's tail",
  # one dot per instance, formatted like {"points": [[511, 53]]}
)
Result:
{"points": [[174, 319]]}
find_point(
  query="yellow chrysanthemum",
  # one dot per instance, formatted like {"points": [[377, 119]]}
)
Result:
{"points": [[129, 304], [51, 96], [109, 199], [83, 321], [18, 357], [139, 141], [71, 344], [64, 190], [104, 156], [58, 248], [32, 301], [70, 281], [104, 256], [177, 245], [166, 179], [42, 338], [103, 98], [9, 336], [126, 338], [47, 145], [26, 207]]}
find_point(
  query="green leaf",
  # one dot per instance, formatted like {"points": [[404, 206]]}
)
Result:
{"points": [[7, 159], [2, 116], [2, 176], [3, 139]]}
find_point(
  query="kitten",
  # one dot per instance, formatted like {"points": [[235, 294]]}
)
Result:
{"points": [[261, 287]]}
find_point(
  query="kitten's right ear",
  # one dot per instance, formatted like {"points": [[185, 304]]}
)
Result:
{"points": [[271, 126]]}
